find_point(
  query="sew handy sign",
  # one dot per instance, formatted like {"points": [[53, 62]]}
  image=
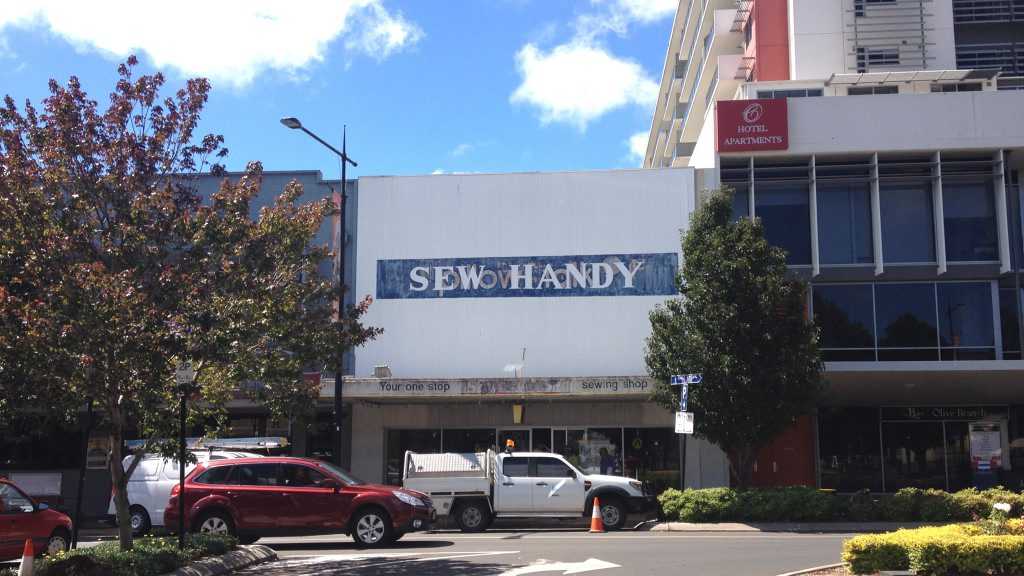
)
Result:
{"points": [[529, 276], [752, 125]]}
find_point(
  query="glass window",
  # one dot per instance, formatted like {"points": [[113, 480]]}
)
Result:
{"points": [[845, 315], [784, 210], [516, 467], [601, 452], [551, 468], [1009, 324], [12, 501], [965, 321], [256, 475], [848, 445], [470, 440], [299, 476], [399, 441], [915, 455], [968, 207], [652, 455], [568, 443], [908, 229], [844, 223], [217, 475], [905, 318], [740, 201], [541, 439]]}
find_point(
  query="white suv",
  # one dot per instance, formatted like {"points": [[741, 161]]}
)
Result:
{"points": [[150, 485]]}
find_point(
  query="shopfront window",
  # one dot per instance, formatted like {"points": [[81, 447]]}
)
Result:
{"points": [[601, 452], [469, 440], [965, 321], [567, 443], [848, 444], [908, 232], [845, 315], [844, 223], [652, 455], [784, 210], [915, 455], [968, 207], [905, 317], [399, 441]]}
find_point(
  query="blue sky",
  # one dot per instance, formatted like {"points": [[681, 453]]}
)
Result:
{"points": [[424, 86]]}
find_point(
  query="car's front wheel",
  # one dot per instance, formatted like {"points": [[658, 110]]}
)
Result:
{"points": [[372, 527], [613, 514], [215, 522], [59, 541]]}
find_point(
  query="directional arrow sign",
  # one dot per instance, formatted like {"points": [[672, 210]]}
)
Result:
{"points": [[588, 565], [694, 378]]}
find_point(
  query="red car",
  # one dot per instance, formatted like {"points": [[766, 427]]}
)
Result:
{"points": [[22, 518], [255, 497]]}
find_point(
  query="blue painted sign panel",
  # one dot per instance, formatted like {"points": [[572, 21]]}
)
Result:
{"points": [[529, 276]]}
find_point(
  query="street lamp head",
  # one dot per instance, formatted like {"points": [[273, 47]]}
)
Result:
{"points": [[291, 122]]}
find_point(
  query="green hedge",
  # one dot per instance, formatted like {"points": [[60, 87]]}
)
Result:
{"points": [[961, 549], [800, 504], [149, 557]]}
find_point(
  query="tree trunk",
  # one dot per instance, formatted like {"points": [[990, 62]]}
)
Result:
{"points": [[120, 483], [744, 466]]}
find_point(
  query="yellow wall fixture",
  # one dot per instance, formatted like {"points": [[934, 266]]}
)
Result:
{"points": [[517, 413]]}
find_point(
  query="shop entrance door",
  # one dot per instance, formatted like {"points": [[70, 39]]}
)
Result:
{"points": [[927, 455]]}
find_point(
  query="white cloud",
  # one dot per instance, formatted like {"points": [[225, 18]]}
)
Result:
{"points": [[638, 147], [438, 171], [579, 82], [227, 41], [648, 10], [461, 149], [617, 15]]}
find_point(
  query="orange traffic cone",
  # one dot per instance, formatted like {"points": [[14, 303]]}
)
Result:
{"points": [[27, 558], [596, 525]]}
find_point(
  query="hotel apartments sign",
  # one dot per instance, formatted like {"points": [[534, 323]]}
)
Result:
{"points": [[529, 276], [752, 125]]}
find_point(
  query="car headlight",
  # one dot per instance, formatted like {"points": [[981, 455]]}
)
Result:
{"points": [[409, 499], [637, 485]]}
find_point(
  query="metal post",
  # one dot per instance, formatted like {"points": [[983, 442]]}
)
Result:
{"points": [[682, 461], [339, 374], [181, 469], [86, 430]]}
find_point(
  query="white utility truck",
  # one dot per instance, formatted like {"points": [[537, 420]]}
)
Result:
{"points": [[476, 488]]}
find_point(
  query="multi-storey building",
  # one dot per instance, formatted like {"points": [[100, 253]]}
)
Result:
{"points": [[880, 142]]}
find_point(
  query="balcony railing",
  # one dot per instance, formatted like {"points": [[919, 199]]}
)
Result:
{"points": [[978, 11], [1005, 56]]}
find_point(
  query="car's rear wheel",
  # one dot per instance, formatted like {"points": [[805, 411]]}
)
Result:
{"points": [[59, 541], [215, 522], [372, 527], [473, 516], [139, 520]]}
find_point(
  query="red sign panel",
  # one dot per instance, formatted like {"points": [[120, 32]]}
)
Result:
{"points": [[750, 125]]}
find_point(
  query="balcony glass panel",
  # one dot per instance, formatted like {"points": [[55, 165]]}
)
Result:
{"points": [[965, 321], [845, 315], [908, 233], [844, 223], [968, 206], [784, 210], [905, 317]]}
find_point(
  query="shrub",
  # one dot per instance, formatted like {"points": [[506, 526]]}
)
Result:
{"points": [[149, 557], [704, 505], [862, 506], [954, 549]]}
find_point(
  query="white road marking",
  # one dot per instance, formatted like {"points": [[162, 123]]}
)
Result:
{"points": [[588, 565]]}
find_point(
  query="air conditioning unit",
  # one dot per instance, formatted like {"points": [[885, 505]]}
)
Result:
{"points": [[381, 371]]}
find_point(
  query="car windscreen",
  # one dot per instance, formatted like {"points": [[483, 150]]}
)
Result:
{"points": [[345, 476]]}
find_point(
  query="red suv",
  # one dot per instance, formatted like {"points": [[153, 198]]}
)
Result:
{"points": [[22, 518], [254, 497]]}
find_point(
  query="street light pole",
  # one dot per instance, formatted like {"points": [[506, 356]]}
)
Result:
{"points": [[339, 375]]}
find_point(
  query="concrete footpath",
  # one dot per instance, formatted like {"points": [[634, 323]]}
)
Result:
{"points": [[806, 527]]}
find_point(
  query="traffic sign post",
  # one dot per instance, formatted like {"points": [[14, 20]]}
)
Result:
{"points": [[684, 419]]}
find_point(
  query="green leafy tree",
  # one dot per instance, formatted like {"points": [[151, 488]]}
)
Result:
{"points": [[113, 270], [741, 322]]}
